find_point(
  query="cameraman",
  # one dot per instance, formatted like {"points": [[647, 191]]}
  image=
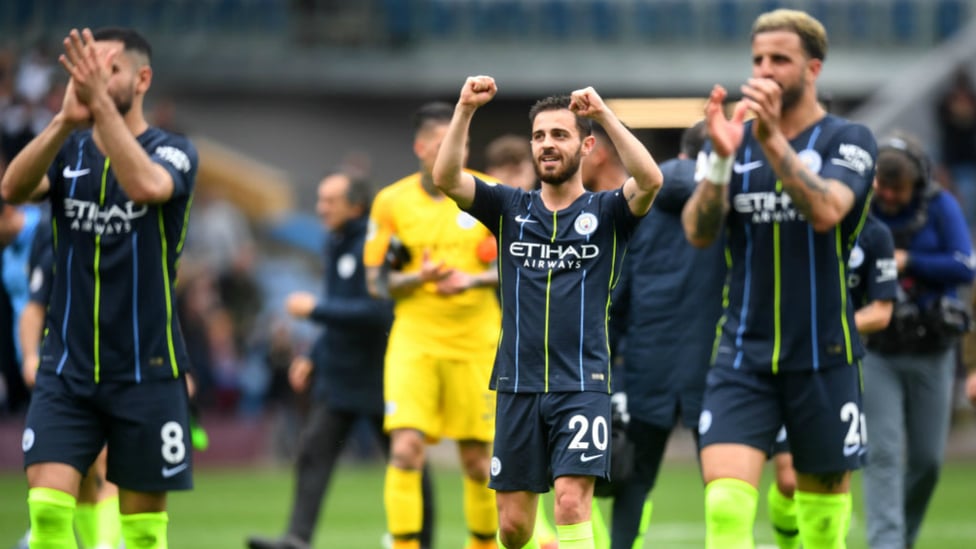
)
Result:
{"points": [[909, 367]]}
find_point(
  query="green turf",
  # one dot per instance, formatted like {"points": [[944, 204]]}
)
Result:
{"points": [[227, 505]]}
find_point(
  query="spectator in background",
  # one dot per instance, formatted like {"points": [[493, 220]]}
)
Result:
{"points": [[220, 247], [667, 303], [909, 369], [956, 117], [345, 370], [16, 261], [17, 228], [508, 158]]}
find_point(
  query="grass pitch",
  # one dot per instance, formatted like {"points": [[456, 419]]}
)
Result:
{"points": [[230, 504]]}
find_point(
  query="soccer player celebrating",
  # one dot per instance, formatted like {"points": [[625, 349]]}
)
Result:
{"points": [[788, 352], [560, 251], [113, 361]]}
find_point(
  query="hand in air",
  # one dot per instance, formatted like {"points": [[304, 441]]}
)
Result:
{"points": [[72, 109], [764, 97], [88, 64], [587, 103], [477, 91], [726, 134]]}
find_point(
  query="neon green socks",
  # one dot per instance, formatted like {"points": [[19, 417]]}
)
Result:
{"points": [[145, 530], [109, 523], [823, 519], [601, 536], [51, 515], [575, 536], [86, 524], [645, 521], [730, 512], [782, 515]]}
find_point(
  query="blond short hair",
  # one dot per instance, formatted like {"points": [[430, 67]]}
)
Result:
{"points": [[812, 33]]}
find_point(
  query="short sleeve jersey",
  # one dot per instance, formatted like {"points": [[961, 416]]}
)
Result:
{"points": [[788, 302], [873, 273], [450, 326], [557, 270], [112, 314]]}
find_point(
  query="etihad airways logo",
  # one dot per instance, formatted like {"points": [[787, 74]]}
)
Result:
{"points": [[88, 217], [766, 207], [549, 256]]}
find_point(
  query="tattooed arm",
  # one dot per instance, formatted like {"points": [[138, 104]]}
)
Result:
{"points": [[823, 202], [704, 213]]}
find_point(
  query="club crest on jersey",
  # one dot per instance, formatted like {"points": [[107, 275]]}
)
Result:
{"points": [[466, 220], [346, 266], [704, 422], [27, 440], [857, 257], [36, 279], [811, 159], [586, 223], [496, 466]]}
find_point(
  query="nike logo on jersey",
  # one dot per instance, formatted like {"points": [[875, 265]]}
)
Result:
{"points": [[520, 219], [584, 458], [169, 472], [68, 173], [851, 449], [747, 167]]}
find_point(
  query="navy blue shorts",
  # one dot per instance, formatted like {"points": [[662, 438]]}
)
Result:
{"points": [[820, 409], [781, 445], [146, 427], [543, 436]]}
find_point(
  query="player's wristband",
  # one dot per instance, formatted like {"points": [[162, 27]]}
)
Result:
{"points": [[719, 169]]}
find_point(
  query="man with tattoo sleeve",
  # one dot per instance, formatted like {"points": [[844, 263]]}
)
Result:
{"points": [[791, 188]]}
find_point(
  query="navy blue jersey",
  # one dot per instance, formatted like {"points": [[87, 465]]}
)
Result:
{"points": [[41, 264], [788, 301], [112, 312], [556, 272], [670, 299], [348, 356], [873, 274]]}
